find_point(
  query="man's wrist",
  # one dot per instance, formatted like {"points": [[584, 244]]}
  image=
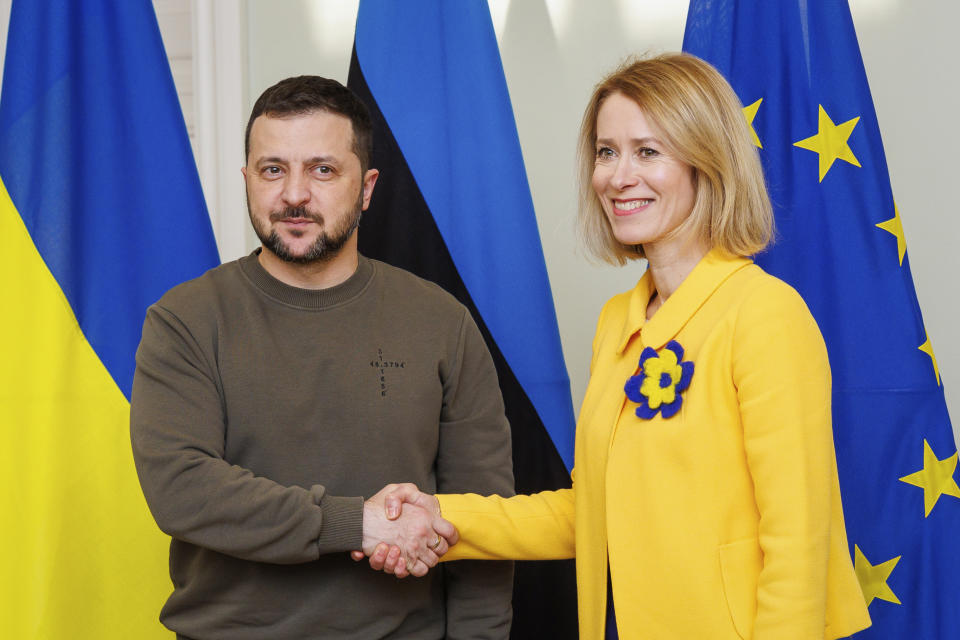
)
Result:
{"points": [[342, 528]]}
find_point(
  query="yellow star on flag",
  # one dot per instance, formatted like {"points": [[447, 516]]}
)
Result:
{"points": [[927, 348], [873, 578], [894, 226], [936, 478], [830, 142], [750, 112]]}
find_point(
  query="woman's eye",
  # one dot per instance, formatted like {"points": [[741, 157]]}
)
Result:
{"points": [[647, 152], [604, 152]]}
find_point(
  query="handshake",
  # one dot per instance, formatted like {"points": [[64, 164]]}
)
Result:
{"points": [[413, 532]]}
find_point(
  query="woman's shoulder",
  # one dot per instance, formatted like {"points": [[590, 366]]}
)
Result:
{"points": [[618, 304], [626, 307], [759, 290], [767, 304]]}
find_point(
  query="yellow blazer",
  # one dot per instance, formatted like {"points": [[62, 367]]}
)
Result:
{"points": [[722, 521]]}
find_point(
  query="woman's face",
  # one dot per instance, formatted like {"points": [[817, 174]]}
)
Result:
{"points": [[645, 192]]}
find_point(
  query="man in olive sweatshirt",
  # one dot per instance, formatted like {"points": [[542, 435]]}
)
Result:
{"points": [[276, 391]]}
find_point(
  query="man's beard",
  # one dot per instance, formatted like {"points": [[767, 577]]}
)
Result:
{"points": [[325, 248]]}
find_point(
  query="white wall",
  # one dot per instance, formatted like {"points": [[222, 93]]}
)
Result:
{"points": [[554, 50]]}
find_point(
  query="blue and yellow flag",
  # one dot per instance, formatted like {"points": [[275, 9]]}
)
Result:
{"points": [[796, 65], [100, 212], [452, 205]]}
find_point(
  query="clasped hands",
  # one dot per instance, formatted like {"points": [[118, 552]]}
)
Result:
{"points": [[413, 532]]}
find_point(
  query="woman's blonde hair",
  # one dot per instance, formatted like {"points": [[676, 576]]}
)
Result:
{"points": [[701, 121]]}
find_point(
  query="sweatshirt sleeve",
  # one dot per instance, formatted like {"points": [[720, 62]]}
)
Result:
{"points": [[178, 426], [475, 455]]}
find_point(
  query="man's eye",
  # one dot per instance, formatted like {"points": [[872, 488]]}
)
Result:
{"points": [[271, 171], [323, 170]]}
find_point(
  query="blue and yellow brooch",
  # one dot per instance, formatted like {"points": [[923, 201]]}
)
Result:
{"points": [[662, 378]]}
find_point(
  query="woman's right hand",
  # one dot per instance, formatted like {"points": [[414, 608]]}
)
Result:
{"points": [[407, 492]]}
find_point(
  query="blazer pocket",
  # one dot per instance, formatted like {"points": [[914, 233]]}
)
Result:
{"points": [[740, 565]]}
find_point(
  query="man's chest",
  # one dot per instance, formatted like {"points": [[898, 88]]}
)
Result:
{"points": [[313, 400]]}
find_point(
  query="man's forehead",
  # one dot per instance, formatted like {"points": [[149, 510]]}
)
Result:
{"points": [[311, 114], [313, 133]]}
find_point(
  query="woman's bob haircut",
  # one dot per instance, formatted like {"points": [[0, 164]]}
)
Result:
{"points": [[700, 120]]}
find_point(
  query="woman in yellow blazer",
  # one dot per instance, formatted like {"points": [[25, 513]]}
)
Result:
{"points": [[705, 478]]}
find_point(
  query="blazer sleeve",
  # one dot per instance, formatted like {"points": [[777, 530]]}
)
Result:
{"points": [[782, 376], [533, 527]]}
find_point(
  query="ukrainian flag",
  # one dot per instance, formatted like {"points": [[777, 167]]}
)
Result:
{"points": [[100, 213], [796, 65]]}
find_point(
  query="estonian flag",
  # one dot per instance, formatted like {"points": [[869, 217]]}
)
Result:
{"points": [[100, 213], [452, 205], [797, 66]]}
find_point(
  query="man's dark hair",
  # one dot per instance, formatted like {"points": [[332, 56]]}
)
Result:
{"points": [[305, 94]]}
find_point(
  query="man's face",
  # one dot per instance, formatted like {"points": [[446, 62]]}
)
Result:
{"points": [[305, 188]]}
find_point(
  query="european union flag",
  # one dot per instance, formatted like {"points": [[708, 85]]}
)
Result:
{"points": [[100, 213], [796, 65], [453, 206]]}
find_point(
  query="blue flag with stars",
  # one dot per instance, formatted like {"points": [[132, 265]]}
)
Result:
{"points": [[796, 65]]}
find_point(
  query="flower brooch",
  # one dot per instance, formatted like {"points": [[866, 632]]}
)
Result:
{"points": [[661, 379]]}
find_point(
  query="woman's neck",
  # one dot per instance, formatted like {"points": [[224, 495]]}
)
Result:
{"points": [[669, 266]]}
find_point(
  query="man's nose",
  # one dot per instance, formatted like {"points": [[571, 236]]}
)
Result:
{"points": [[296, 189]]}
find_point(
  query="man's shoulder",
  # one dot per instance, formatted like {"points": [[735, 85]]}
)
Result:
{"points": [[410, 288], [202, 291]]}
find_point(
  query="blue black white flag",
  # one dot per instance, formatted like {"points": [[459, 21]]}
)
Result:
{"points": [[452, 205]]}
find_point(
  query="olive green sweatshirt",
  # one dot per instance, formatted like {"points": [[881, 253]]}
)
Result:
{"points": [[263, 414]]}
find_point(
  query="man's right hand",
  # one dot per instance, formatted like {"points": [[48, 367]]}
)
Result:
{"points": [[417, 533]]}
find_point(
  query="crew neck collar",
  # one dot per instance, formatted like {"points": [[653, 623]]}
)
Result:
{"points": [[313, 299]]}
